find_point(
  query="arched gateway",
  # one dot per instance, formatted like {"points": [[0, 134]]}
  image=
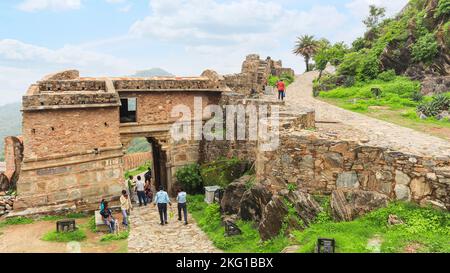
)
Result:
{"points": [[75, 130]]}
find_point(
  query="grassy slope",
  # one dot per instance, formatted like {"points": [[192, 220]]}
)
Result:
{"points": [[425, 230], [395, 104]]}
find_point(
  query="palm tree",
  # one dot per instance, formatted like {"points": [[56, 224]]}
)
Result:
{"points": [[307, 47]]}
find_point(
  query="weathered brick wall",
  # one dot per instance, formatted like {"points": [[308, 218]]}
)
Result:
{"points": [[61, 100], [69, 131], [169, 84], [72, 85], [80, 185], [156, 107], [321, 165], [132, 161]]}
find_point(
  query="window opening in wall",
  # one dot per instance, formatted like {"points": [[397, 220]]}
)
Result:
{"points": [[127, 110]]}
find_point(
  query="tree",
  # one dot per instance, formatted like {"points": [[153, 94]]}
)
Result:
{"points": [[375, 16], [306, 46]]}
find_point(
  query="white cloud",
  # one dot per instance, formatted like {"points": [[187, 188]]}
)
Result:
{"points": [[54, 5], [21, 64]]}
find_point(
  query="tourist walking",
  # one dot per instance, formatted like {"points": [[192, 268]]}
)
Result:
{"points": [[181, 199], [125, 206], [161, 200], [281, 90], [148, 191], [140, 189], [108, 218]]}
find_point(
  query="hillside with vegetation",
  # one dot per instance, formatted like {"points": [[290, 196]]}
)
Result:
{"points": [[398, 71]]}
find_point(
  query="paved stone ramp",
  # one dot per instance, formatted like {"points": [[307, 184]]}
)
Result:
{"points": [[148, 236], [371, 131]]}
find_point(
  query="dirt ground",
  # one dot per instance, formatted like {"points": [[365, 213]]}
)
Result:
{"points": [[27, 239]]}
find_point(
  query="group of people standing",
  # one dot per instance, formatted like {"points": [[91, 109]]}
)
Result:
{"points": [[144, 196]]}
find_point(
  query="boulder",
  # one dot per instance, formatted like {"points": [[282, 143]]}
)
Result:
{"points": [[346, 205], [253, 202], [277, 213], [231, 200]]}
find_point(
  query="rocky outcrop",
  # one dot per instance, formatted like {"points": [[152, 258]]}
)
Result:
{"points": [[292, 210], [231, 200], [253, 202], [346, 205]]}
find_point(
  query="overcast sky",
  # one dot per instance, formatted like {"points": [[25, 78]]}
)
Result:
{"points": [[184, 37]]}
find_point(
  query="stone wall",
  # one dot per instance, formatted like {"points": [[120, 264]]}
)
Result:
{"points": [[135, 160], [320, 165], [213, 150], [13, 159], [80, 181], [69, 131], [156, 107], [254, 74]]}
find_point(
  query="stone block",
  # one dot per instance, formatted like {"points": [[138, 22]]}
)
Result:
{"points": [[347, 180], [402, 192]]}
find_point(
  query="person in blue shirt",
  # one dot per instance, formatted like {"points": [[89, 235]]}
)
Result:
{"points": [[181, 199], [161, 200]]}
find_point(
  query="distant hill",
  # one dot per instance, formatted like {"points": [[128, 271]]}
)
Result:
{"points": [[10, 123], [153, 72]]}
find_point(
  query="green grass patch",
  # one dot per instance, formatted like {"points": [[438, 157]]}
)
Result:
{"points": [[16, 221], [115, 237], [426, 228], [61, 217], [54, 236], [139, 170], [208, 218]]}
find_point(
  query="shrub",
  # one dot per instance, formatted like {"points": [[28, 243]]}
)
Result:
{"points": [[292, 187], [189, 177], [54, 236], [443, 8], [417, 96], [429, 109], [351, 63], [387, 76], [425, 49], [223, 171]]}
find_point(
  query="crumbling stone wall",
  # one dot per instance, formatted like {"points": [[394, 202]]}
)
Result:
{"points": [[320, 165], [254, 74], [13, 160]]}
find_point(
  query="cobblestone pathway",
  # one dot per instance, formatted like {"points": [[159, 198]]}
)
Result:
{"points": [[148, 236], [368, 130]]}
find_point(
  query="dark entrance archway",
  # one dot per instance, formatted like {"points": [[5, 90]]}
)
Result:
{"points": [[159, 164]]}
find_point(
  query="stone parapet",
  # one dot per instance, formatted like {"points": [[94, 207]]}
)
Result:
{"points": [[320, 165]]}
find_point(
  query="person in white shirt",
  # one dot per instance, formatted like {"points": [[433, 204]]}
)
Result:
{"points": [[140, 189], [181, 199], [161, 200]]}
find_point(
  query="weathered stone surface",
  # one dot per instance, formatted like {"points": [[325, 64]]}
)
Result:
{"points": [[231, 200], [420, 188], [347, 180], [402, 192], [401, 178], [276, 213], [346, 205], [253, 202]]}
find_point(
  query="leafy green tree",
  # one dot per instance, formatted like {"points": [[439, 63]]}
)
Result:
{"points": [[376, 14], [189, 176], [306, 46]]}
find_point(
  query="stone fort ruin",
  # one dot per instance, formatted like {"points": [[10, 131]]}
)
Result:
{"points": [[75, 130]]}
